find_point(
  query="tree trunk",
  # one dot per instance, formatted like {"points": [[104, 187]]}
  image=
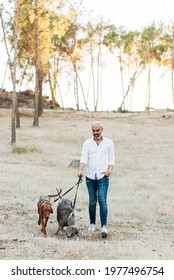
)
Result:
{"points": [[12, 65], [172, 68], [14, 106], [122, 81], [61, 98], [76, 93], [93, 79], [40, 97], [36, 100], [54, 84], [55, 72], [84, 99], [51, 89], [148, 90], [132, 82], [98, 78]]}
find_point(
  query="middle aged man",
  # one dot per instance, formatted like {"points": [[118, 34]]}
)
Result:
{"points": [[98, 158]]}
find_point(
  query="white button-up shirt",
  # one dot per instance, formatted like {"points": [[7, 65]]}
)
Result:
{"points": [[97, 157]]}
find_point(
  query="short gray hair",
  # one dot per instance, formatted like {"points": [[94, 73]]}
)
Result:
{"points": [[97, 123]]}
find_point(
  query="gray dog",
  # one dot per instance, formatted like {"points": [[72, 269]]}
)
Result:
{"points": [[66, 217]]}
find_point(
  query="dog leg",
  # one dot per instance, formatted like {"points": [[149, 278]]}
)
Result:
{"points": [[46, 220], [39, 221], [39, 212], [58, 230], [61, 229], [44, 230], [43, 226], [64, 232]]}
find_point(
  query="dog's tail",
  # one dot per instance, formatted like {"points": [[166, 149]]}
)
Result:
{"points": [[58, 194]]}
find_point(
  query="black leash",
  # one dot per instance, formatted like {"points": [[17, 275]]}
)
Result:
{"points": [[77, 184]]}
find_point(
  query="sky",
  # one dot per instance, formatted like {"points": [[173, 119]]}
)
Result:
{"points": [[133, 14]]}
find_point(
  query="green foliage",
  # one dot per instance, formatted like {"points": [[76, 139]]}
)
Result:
{"points": [[63, 37]]}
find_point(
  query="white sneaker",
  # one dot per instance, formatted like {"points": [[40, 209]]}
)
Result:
{"points": [[104, 231], [91, 227]]}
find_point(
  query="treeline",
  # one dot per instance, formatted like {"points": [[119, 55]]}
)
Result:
{"points": [[43, 39]]}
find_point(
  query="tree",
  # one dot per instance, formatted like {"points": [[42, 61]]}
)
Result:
{"points": [[36, 104], [75, 56], [14, 107], [50, 38], [167, 38], [95, 31], [12, 65], [151, 43], [124, 45]]}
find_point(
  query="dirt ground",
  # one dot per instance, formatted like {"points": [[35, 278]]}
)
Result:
{"points": [[140, 197]]}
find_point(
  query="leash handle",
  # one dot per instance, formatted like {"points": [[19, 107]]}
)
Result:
{"points": [[77, 184], [80, 180]]}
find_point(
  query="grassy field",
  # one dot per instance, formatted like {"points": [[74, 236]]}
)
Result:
{"points": [[140, 197]]}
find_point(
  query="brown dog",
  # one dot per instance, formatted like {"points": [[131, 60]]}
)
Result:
{"points": [[44, 210]]}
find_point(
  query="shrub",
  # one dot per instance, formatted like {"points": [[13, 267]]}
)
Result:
{"points": [[25, 149]]}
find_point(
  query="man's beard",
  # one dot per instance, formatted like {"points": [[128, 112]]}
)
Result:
{"points": [[97, 136]]}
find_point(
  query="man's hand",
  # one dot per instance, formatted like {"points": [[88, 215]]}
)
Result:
{"points": [[107, 173], [80, 171]]}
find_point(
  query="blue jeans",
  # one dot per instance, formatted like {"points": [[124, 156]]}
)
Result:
{"points": [[97, 190]]}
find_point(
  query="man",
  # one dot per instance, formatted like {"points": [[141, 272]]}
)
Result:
{"points": [[98, 158]]}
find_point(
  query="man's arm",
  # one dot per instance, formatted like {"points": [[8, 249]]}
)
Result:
{"points": [[109, 171], [81, 168]]}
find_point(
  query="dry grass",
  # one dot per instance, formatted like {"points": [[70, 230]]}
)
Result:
{"points": [[24, 149], [140, 198]]}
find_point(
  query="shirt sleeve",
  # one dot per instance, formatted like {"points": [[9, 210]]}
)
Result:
{"points": [[84, 155], [111, 154]]}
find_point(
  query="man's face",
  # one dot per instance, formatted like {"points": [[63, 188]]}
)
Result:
{"points": [[97, 131]]}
